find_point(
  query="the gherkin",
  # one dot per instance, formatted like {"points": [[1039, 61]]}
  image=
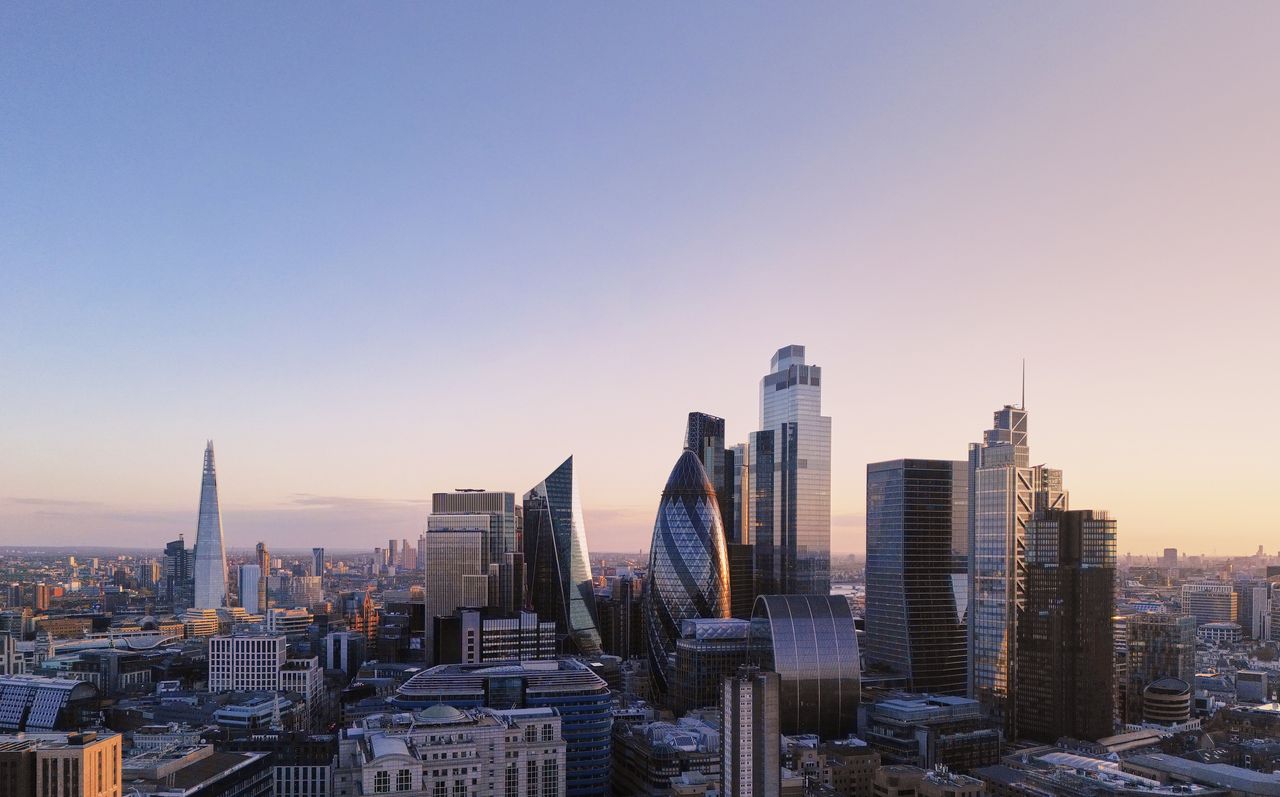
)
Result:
{"points": [[688, 565]]}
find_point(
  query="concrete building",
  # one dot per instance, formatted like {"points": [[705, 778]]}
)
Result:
{"points": [[81, 764], [929, 730], [1210, 603], [750, 764]]}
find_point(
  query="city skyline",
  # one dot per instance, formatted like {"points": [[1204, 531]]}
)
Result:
{"points": [[445, 247]]}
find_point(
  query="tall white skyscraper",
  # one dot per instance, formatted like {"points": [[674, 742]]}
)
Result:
{"points": [[210, 570], [790, 480]]}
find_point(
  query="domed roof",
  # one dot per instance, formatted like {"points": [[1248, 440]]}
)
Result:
{"points": [[1170, 686], [440, 713], [688, 477]]}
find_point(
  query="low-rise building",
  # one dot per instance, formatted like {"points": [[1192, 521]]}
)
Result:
{"points": [[929, 730], [60, 765], [646, 756]]}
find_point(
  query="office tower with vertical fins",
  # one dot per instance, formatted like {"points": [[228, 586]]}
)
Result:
{"points": [[264, 569], [791, 513], [210, 569], [688, 563], [1005, 492], [557, 564]]}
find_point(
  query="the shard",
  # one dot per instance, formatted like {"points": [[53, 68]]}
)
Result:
{"points": [[210, 569], [688, 563], [558, 566]]}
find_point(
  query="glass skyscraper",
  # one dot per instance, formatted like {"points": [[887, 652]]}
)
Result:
{"points": [[688, 564], [1004, 494], [917, 525], [1065, 674], [210, 569], [557, 564], [790, 480]]}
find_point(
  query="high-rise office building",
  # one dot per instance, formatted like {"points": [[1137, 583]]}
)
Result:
{"points": [[317, 562], [688, 565], [494, 514], [1004, 493], [455, 551], [393, 555], [176, 574], [704, 436], [247, 580], [264, 570], [557, 564], [750, 744], [1210, 603], [1065, 644], [706, 652], [811, 642], [1158, 646], [917, 524], [248, 663], [790, 480], [210, 569]]}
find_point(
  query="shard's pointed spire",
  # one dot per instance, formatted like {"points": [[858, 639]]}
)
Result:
{"points": [[211, 556]]}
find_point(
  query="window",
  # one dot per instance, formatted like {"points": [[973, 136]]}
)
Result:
{"points": [[550, 778], [404, 780], [513, 781], [381, 782], [531, 779]]}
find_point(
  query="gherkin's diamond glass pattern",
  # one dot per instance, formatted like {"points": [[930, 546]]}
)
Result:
{"points": [[688, 563]]}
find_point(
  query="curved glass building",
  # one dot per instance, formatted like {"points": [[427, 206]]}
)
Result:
{"points": [[569, 686], [810, 641], [688, 566], [557, 564]]}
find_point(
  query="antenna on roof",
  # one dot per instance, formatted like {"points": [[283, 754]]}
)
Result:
{"points": [[1023, 406]]}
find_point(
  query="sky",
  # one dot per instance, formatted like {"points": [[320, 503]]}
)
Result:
{"points": [[384, 250]]}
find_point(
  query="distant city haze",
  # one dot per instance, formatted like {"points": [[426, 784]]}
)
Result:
{"points": [[427, 247]]}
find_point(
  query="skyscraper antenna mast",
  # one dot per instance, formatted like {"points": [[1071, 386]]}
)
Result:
{"points": [[1024, 384]]}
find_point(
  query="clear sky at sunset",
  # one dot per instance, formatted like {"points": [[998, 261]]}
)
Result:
{"points": [[380, 250]]}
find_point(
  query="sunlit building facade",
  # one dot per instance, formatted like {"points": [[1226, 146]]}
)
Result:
{"points": [[790, 480], [558, 566], [1004, 494], [210, 568], [688, 564]]}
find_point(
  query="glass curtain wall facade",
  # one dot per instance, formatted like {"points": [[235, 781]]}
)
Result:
{"points": [[797, 531], [917, 516], [210, 570], [1159, 646], [811, 642], [557, 564], [1004, 494], [1065, 673], [688, 563], [500, 537]]}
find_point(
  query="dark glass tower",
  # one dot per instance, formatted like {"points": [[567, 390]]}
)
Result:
{"points": [[557, 564], [704, 436], [917, 524], [688, 565], [1065, 636]]}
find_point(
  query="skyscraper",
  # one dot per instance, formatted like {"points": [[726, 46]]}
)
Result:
{"points": [[177, 574], [790, 481], [494, 514], [264, 570], [557, 564], [317, 562], [211, 556], [1065, 636], [751, 739], [454, 554], [688, 565], [917, 525], [704, 436], [1004, 494]]}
